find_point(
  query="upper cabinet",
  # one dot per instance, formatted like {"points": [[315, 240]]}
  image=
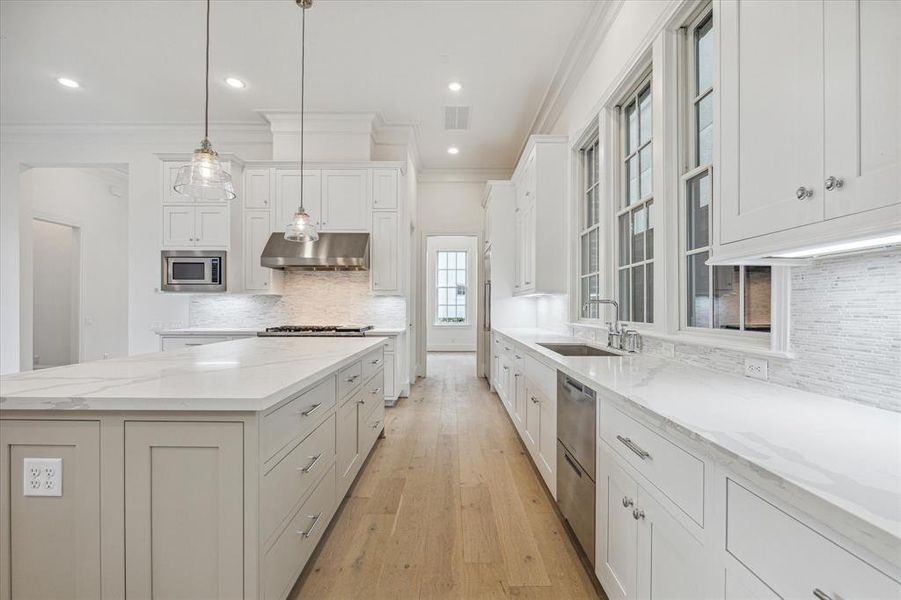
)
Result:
{"points": [[287, 195], [384, 189], [345, 199], [540, 180], [171, 167], [810, 130]]}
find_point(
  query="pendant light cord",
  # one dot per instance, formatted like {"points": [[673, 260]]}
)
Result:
{"points": [[303, 56], [206, 91]]}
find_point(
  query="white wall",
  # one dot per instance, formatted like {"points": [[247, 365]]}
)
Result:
{"points": [[453, 338], [94, 201], [134, 146], [55, 294]]}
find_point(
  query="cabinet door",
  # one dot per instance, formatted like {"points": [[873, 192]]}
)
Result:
{"points": [[528, 235], [771, 112], [345, 200], [547, 443], [348, 444], [384, 252], [617, 530], [170, 173], [384, 189], [211, 226], [184, 510], [51, 548], [533, 420], [517, 250], [863, 120], [518, 401], [257, 228], [256, 188], [390, 376], [287, 196], [670, 560], [178, 226]]}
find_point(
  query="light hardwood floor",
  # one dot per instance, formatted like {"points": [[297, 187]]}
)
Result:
{"points": [[448, 506]]}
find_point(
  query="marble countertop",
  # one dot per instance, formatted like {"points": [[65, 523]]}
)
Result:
{"points": [[806, 446], [251, 374], [389, 331]]}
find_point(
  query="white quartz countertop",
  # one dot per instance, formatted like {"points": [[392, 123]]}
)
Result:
{"points": [[251, 374], [385, 331], [808, 446]]}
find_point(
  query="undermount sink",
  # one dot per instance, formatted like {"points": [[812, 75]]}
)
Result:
{"points": [[577, 350]]}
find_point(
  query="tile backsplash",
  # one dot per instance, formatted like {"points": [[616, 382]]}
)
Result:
{"points": [[845, 332], [309, 298]]}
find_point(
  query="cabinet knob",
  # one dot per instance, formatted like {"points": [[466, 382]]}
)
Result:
{"points": [[627, 502], [833, 183], [637, 514], [803, 193]]}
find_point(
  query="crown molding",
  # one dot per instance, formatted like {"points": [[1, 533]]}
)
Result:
{"points": [[462, 175], [575, 62], [333, 123]]}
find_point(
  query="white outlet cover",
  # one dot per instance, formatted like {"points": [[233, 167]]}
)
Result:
{"points": [[756, 368], [42, 477]]}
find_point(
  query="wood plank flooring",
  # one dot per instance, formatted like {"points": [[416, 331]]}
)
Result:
{"points": [[448, 506]]}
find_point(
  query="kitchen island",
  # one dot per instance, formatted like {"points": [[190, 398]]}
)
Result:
{"points": [[211, 471]]}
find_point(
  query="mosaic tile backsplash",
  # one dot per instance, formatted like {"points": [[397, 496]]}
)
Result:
{"points": [[309, 298]]}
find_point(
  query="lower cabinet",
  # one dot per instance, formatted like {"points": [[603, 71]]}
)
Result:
{"points": [[642, 551], [184, 510], [348, 458], [519, 401]]}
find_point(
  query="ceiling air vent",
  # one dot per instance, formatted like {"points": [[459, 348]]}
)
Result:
{"points": [[456, 117]]}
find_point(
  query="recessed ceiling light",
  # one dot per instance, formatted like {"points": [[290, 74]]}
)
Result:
{"points": [[455, 86], [66, 82], [235, 83], [453, 150]]}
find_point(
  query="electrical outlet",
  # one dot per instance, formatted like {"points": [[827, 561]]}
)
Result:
{"points": [[756, 368], [43, 477]]}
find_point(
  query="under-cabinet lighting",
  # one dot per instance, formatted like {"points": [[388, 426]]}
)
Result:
{"points": [[839, 248], [235, 83], [453, 150], [66, 82]]}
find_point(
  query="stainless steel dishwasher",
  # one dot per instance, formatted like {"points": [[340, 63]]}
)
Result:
{"points": [[576, 435]]}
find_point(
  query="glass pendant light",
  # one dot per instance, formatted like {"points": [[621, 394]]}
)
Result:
{"points": [[204, 178], [302, 228]]}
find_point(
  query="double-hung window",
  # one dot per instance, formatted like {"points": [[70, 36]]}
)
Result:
{"points": [[589, 208], [716, 297], [451, 287], [635, 208]]}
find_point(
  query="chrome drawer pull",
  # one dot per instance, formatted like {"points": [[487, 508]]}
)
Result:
{"points": [[376, 361], [376, 424], [351, 379], [637, 514], [376, 391], [820, 594], [627, 502], [310, 466], [628, 443], [535, 400], [309, 530], [311, 410], [518, 357]]}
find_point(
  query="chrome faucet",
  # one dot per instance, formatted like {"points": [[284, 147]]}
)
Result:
{"points": [[617, 336]]}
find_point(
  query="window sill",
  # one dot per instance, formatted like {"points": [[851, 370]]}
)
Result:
{"points": [[453, 325], [757, 347]]}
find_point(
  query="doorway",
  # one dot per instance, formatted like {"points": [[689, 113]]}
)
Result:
{"points": [[451, 293], [56, 300]]}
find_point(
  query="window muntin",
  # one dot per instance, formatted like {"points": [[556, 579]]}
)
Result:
{"points": [[636, 214], [450, 288], [589, 209], [716, 297]]}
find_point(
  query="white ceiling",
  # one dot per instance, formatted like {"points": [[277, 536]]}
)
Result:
{"points": [[142, 61]]}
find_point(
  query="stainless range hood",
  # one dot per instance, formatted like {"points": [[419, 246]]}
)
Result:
{"points": [[331, 252]]}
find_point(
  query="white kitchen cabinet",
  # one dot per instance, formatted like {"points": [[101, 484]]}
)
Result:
{"points": [[532, 420], [170, 174], [287, 195], [348, 450], [257, 187], [384, 189], [540, 179], [391, 390], [345, 199], [384, 248], [547, 440], [257, 228], [642, 551], [795, 119], [196, 226], [518, 401]]}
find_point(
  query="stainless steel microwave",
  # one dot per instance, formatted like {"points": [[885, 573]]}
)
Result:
{"points": [[193, 271]]}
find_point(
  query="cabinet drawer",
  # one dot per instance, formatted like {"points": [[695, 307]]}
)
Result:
{"points": [[372, 394], [288, 555], [372, 362], [388, 344], [350, 378], [297, 417], [371, 424], [289, 481], [675, 472], [805, 560]]}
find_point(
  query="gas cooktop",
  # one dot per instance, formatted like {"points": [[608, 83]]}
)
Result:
{"points": [[316, 331]]}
